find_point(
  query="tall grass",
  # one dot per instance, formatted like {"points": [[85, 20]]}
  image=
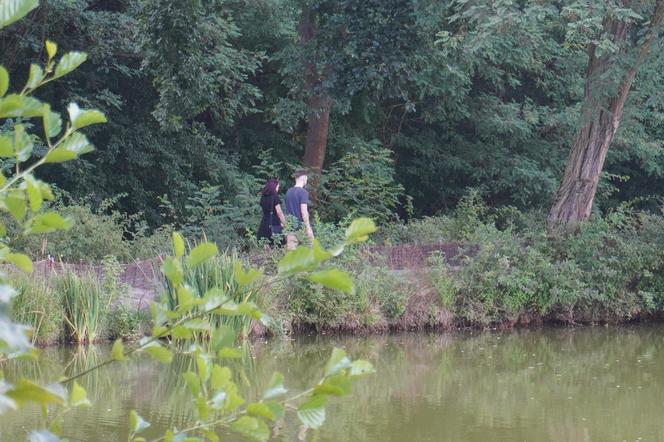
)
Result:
{"points": [[85, 305], [39, 307], [218, 272]]}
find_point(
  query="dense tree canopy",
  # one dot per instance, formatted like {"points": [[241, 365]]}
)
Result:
{"points": [[461, 93]]}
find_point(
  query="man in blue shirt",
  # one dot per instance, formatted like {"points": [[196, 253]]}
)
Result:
{"points": [[297, 200]]}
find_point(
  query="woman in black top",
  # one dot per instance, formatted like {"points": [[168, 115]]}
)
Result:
{"points": [[273, 220]]}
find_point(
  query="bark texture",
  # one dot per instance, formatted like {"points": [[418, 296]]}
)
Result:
{"points": [[601, 119], [318, 107]]}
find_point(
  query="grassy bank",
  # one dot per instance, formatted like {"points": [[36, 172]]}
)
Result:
{"points": [[509, 271], [69, 307]]}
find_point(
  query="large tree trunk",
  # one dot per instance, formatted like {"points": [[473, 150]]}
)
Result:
{"points": [[601, 119], [318, 108]]}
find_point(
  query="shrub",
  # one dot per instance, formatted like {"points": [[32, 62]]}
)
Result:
{"points": [[385, 288], [125, 322], [96, 233], [362, 183]]}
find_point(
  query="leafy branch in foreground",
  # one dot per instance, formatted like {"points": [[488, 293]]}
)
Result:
{"points": [[22, 194]]}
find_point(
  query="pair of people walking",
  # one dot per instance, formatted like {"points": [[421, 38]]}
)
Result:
{"points": [[274, 223]]}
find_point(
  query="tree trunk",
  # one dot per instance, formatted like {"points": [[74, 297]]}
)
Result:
{"points": [[601, 119], [318, 108]]}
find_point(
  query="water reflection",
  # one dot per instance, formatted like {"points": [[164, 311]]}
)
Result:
{"points": [[552, 384]]}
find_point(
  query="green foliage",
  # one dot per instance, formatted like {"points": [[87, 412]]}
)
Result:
{"points": [[125, 322], [22, 194], [383, 287], [361, 183], [95, 234], [38, 306], [85, 305], [188, 51]]}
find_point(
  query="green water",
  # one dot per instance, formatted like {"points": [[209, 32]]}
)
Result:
{"points": [[599, 384]]}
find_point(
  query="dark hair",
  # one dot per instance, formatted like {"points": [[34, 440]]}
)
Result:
{"points": [[300, 172], [270, 187]]}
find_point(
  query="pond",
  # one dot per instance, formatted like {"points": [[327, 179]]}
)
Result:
{"points": [[586, 384]]}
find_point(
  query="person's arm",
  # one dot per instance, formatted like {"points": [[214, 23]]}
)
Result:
{"points": [[305, 219], [280, 215]]}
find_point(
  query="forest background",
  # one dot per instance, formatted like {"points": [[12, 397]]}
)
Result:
{"points": [[405, 105]]}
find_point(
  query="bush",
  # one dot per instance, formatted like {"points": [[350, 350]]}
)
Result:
{"points": [[362, 183], [126, 323], [383, 287], [95, 234]]}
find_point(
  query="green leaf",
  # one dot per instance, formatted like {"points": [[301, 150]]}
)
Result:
{"points": [[172, 269], [337, 362], [178, 245], [81, 118], [43, 436], [275, 387], [229, 353], [4, 81], [246, 277], [252, 428], [336, 385], [220, 377], [320, 254], [276, 408], [312, 412], [299, 260], [203, 408], [76, 143], [359, 230], [136, 422], [16, 205], [159, 353], [27, 391], [211, 435], [201, 253], [22, 143], [51, 49], [59, 155], [21, 261], [6, 147], [52, 122], [72, 147], [223, 336], [193, 382], [203, 365], [260, 409], [13, 10], [361, 368], [14, 106], [117, 352], [33, 189], [48, 222], [35, 77], [78, 396], [69, 62], [249, 309], [333, 279]]}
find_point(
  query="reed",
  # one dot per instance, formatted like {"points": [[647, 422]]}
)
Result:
{"points": [[217, 272], [85, 305]]}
